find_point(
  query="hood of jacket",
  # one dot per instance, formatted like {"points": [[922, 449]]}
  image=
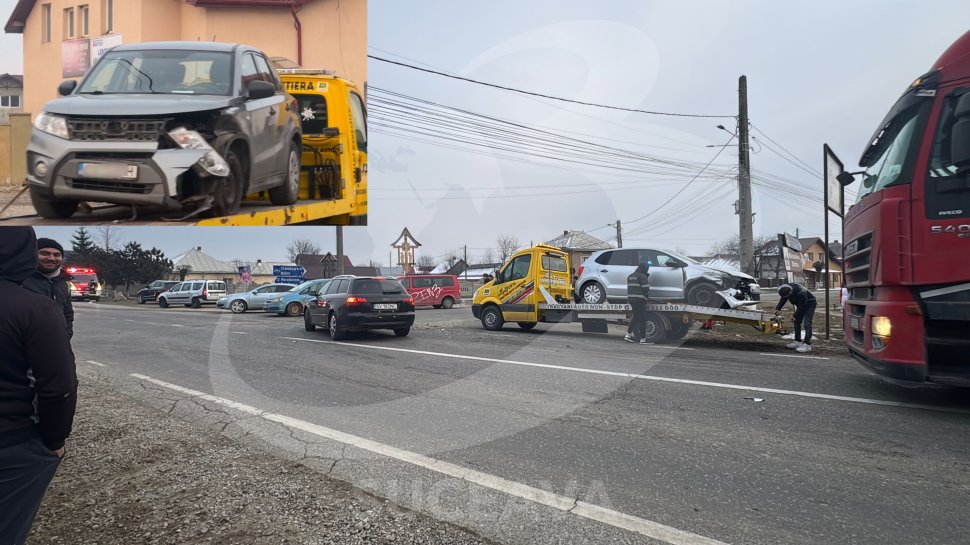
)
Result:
{"points": [[18, 253]]}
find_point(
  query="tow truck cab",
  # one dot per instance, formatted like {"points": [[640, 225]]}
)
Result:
{"points": [[515, 293]]}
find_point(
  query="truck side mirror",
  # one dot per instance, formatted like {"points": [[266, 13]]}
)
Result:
{"points": [[261, 89], [960, 136], [66, 87], [845, 178]]}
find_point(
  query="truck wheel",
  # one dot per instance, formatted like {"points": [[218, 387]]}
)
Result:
{"points": [[293, 309], [527, 325], [228, 192], [447, 302], [289, 191], [196, 303], [51, 208], [592, 294], [238, 306], [162, 302], [654, 329], [678, 331], [704, 295], [492, 319]]}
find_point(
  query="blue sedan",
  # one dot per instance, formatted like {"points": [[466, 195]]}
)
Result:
{"points": [[293, 302]]}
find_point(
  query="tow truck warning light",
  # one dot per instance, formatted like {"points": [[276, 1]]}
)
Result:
{"points": [[80, 270]]}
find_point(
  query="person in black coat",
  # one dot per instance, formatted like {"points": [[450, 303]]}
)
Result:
{"points": [[805, 304], [38, 387], [638, 291], [51, 280]]}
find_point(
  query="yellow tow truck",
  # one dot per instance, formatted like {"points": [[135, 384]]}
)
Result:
{"points": [[535, 286]]}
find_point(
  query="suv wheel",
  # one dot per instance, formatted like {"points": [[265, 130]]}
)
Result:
{"points": [[289, 191], [402, 331], [592, 294], [703, 294], [238, 306], [163, 302], [293, 309], [447, 302], [228, 192], [51, 208], [308, 322], [335, 332], [196, 302]]}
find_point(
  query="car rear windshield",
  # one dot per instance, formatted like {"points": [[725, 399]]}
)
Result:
{"points": [[373, 286], [84, 277], [217, 286], [160, 71]]}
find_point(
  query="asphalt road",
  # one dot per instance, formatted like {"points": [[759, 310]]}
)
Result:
{"points": [[733, 445]]}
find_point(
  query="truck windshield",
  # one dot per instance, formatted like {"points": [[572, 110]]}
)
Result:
{"points": [[160, 71], [888, 163]]}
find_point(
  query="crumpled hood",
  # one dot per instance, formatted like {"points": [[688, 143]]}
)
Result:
{"points": [[18, 253], [729, 272], [136, 105]]}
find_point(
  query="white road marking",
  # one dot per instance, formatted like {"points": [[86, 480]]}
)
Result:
{"points": [[793, 356], [92, 362], [152, 323], [240, 333], [649, 528], [796, 393]]}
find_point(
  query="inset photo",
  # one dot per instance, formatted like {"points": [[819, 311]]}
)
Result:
{"points": [[198, 112]]}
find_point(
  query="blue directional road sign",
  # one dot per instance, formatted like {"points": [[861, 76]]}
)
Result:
{"points": [[288, 270], [290, 280]]}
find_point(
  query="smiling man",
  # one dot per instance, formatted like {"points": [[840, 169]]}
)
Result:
{"points": [[50, 280]]}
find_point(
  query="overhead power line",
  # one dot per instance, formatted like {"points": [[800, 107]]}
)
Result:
{"points": [[541, 95]]}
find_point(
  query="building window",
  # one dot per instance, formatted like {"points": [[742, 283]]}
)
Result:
{"points": [[9, 101], [108, 8], [46, 36], [83, 20], [69, 24]]}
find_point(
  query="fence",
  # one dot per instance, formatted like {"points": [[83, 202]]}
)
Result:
{"points": [[13, 151]]}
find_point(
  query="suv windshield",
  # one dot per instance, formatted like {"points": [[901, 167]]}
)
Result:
{"points": [[373, 286], [160, 71]]}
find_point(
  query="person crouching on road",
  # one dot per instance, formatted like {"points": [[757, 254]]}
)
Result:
{"points": [[38, 387], [638, 290], [805, 304], [50, 280]]}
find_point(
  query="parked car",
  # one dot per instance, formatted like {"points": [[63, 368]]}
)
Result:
{"points": [[673, 277], [193, 293], [169, 124], [254, 299], [294, 301], [151, 291], [359, 304], [437, 290]]}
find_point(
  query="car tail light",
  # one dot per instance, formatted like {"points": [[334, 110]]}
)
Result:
{"points": [[411, 300], [580, 270], [356, 300]]}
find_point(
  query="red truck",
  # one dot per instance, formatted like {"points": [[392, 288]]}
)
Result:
{"points": [[907, 252]]}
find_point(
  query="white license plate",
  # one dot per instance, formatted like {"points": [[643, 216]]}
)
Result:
{"points": [[385, 306], [854, 322], [111, 171]]}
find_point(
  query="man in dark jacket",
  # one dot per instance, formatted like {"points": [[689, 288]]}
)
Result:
{"points": [[38, 387], [805, 304], [50, 280], [637, 291]]}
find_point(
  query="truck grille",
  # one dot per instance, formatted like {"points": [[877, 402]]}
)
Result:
{"points": [[858, 257], [111, 129]]}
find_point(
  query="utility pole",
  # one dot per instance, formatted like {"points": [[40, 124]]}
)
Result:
{"points": [[744, 180], [619, 234], [465, 259], [340, 249]]}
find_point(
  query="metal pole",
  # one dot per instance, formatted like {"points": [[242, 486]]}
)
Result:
{"points": [[619, 234], [825, 261], [744, 180], [340, 249]]}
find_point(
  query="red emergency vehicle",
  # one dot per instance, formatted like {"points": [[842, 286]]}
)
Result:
{"points": [[84, 284]]}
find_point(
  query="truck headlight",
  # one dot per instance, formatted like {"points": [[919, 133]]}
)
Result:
{"points": [[881, 326], [211, 162], [52, 124]]}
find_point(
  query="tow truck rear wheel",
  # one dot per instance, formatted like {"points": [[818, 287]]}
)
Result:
{"points": [[654, 329], [492, 319], [703, 294], [228, 191], [592, 294], [678, 330], [51, 208], [289, 191], [527, 325]]}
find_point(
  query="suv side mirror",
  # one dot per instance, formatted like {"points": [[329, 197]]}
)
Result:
{"points": [[960, 137], [676, 264], [261, 89], [66, 87]]}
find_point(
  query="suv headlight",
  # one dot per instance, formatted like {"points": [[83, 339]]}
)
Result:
{"points": [[52, 124], [754, 287], [211, 162]]}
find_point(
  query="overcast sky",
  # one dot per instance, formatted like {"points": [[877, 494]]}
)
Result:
{"points": [[826, 72]]}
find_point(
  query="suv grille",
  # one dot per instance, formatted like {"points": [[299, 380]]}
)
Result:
{"points": [[108, 185], [112, 129]]}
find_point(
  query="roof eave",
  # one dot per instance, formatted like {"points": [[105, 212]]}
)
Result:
{"points": [[18, 17]]}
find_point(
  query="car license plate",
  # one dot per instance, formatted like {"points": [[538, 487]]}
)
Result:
{"points": [[110, 171], [854, 322], [385, 306]]}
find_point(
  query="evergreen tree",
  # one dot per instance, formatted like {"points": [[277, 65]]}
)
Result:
{"points": [[83, 248]]}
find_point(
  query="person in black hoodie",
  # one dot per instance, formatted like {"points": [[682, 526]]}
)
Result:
{"points": [[38, 387], [50, 280], [638, 290], [805, 304]]}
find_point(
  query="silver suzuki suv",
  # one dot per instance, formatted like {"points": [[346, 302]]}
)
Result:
{"points": [[602, 278]]}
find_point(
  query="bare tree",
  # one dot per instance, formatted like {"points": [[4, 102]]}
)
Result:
{"points": [[766, 253], [488, 256], [301, 246], [507, 245], [426, 262], [374, 264], [109, 236], [183, 271], [451, 257]]}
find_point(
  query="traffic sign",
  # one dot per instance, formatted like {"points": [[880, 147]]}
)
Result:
{"points": [[290, 280], [288, 270]]}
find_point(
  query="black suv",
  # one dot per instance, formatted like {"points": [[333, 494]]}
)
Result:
{"points": [[172, 124], [359, 304], [150, 292]]}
